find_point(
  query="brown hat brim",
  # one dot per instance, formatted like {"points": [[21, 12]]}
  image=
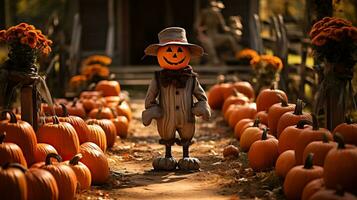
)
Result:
{"points": [[196, 51]]}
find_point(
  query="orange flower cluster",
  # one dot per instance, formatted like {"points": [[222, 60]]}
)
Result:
{"points": [[332, 29], [247, 54], [267, 61], [26, 34], [97, 59], [96, 69], [77, 81]]}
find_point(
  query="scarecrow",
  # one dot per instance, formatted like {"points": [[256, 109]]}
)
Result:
{"points": [[175, 97]]}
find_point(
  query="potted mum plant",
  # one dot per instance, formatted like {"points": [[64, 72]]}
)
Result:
{"points": [[334, 43]]}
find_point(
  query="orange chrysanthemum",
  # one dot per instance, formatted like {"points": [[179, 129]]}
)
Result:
{"points": [[97, 59], [247, 54], [267, 61], [90, 70]]}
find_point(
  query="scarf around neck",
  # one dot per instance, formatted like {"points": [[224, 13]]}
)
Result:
{"points": [[178, 78]]}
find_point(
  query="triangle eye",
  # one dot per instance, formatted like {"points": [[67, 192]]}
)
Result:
{"points": [[169, 49], [179, 50]]}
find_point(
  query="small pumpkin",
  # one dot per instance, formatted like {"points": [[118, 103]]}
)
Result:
{"points": [[348, 130], [21, 133], [307, 136], [90, 94], [82, 172], [319, 149], [292, 117], [10, 152], [268, 97], [263, 116], [121, 124], [96, 162], [284, 163], [173, 57], [42, 150], [90, 104], [123, 109], [215, 95], [41, 185], [97, 135], [65, 177], [241, 126], [108, 127], [312, 187], [275, 112], [245, 88], [101, 113], [249, 136], [61, 135], [299, 176], [236, 98], [231, 151], [340, 166], [76, 109], [263, 153], [108, 87], [13, 182], [242, 111]]}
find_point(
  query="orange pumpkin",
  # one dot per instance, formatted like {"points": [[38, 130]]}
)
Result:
{"points": [[101, 113], [10, 152], [13, 182], [348, 130], [41, 185], [90, 94], [231, 151], [241, 125], [108, 88], [237, 98], [275, 112], [21, 133], [263, 153], [319, 149], [325, 194], [245, 87], [65, 177], [269, 97], [307, 136], [284, 163], [96, 161], [82, 172], [91, 103], [97, 135], [215, 95], [340, 166], [76, 109], [108, 127], [173, 57], [298, 177], [292, 117], [122, 126], [249, 136], [123, 109], [312, 187], [242, 111], [42, 150], [61, 135], [288, 137], [263, 116]]}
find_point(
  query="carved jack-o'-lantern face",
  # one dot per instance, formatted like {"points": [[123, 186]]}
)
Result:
{"points": [[173, 57]]}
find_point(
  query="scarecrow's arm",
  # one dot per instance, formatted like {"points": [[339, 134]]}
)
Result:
{"points": [[201, 107], [152, 108]]}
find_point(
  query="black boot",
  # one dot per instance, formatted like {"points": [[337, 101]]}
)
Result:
{"points": [[168, 162], [187, 163]]}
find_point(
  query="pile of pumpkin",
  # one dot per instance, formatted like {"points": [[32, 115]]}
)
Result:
{"points": [[67, 152], [277, 134]]}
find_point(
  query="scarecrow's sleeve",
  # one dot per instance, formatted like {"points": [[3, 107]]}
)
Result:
{"points": [[152, 108], [201, 107]]}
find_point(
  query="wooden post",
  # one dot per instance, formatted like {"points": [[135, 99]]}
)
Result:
{"points": [[29, 110]]}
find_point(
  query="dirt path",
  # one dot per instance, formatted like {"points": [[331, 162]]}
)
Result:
{"points": [[132, 176]]}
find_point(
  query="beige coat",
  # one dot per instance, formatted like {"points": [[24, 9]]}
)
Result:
{"points": [[174, 108]]}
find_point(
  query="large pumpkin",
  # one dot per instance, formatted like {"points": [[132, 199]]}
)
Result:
{"points": [[340, 166], [307, 136], [82, 172], [298, 177], [348, 130], [292, 117], [173, 57], [275, 112], [108, 88], [61, 135], [21, 133], [10, 152], [97, 136], [65, 177], [215, 95], [269, 97], [263, 153], [41, 185], [284, 163], [96, 161], [13, 182]]}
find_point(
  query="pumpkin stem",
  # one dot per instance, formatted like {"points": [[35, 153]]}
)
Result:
{"points": [[75, 159], [315, 122], [301, 124], [337, 137], [52, 155], [348, 120], [13, 118], [99, 113], [256, 122], [65, 110], [308, 161], [2, 137], [272, 86], [265, 134], [325, 138], [284, 103], [8, 165], [114, 112], [75, 101], [299, 106], [55, 119], [235, 92]]}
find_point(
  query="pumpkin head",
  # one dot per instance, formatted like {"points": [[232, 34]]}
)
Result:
{"points": [[10, 152], [173, 57], [82, 172], [284, 163], [299, 176], [13, 182], [41, 184]]}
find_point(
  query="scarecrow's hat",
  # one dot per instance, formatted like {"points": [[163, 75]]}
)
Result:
{"points": [[173, 35]]}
